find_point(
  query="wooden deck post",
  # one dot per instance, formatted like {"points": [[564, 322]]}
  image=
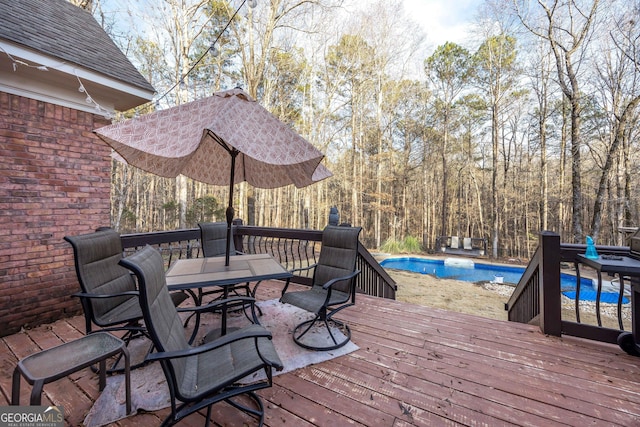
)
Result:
{"points": [[550, 301]]}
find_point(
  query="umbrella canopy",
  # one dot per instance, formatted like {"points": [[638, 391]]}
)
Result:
{"points": [[223, 139]]}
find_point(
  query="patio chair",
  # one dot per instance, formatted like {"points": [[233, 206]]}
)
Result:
{"points": [[109, 295], [201, 376], [333, 289], [213, 238]]}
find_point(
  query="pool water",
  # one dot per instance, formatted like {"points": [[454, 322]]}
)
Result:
{"points": [[470, 271]]}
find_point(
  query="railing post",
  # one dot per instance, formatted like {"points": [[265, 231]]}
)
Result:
{"points": [[550, 301], [237, 238]]}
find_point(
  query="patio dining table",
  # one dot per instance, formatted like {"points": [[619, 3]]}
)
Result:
{"points": [[194, 273]]}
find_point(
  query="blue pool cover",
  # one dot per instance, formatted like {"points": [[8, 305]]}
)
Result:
{"points": [[478, 272]]}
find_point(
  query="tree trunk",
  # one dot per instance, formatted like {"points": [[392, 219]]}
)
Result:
{"points": [[181, 197], [576, 172], [494, 182], [563, 168], [619, 136], [445, 179]]}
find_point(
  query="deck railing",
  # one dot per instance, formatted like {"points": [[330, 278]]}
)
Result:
{"points": [[293, 248], [537, 298]]}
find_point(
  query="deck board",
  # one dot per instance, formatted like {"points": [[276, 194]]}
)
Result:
{"points": [[415, 366]]}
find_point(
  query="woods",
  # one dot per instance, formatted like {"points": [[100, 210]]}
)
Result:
{"points": [[532, 124]]}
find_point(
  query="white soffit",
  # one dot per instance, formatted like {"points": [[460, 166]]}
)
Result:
{"points": [[61, 81]]}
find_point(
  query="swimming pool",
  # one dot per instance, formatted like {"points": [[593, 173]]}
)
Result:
{"points": [[470, 271]]}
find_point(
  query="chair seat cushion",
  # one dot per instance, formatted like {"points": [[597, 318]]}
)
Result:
{"points": [[130, 311], [228, 364], [127, 311], [313, 299], [178, 297]]}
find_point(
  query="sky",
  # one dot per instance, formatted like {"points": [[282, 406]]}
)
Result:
{"points": [[443, 20]]}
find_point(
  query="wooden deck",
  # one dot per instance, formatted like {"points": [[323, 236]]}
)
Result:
{"points": [[415, 366]]}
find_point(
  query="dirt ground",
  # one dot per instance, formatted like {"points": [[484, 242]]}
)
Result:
{"points": [[454, 295], [486, 300]]}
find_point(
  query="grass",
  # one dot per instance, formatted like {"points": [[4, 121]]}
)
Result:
{"points": [[409, 244]]}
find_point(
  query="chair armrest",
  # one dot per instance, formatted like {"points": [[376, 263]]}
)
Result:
{"points": [[303, 268], [286, 286], [120, 294], [332, 282], [250, 332]]}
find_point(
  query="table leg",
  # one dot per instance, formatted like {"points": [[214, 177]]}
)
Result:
{"points": [[127, 378], [15, 387], [102, 375], [223, 325], [620, 296]]}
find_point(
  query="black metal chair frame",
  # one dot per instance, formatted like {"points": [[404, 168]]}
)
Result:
{"points": [[112, 275], [326, 296], [213, 236], [213, 239], [251, 344]]}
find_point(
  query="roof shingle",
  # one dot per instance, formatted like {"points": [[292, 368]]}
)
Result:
{"points": [[58, 28]]}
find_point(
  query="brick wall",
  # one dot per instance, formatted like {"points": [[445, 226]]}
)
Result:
{"points": [[54, 181]]}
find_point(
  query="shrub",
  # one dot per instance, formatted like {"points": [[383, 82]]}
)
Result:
{"points": [[391, 246], [408, 245], [412, 244]]}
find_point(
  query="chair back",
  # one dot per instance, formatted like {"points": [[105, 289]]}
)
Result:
{"points": [[338, 256], [161, 318], [96, 257], [213, 238]]}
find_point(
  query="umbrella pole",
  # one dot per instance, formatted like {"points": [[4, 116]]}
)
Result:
{"points": [[230, 212]]}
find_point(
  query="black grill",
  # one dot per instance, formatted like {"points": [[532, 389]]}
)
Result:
{"points": [[634, 246]]}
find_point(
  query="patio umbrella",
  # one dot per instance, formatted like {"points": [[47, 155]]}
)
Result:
{"points": [[226, 138]]}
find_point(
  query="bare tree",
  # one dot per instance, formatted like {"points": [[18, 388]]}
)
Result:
{"points": [[449, 71], [267, 27], [495, 74], [345, 88], [620, 85], [567, 27], [540, 81], [386, 29]]}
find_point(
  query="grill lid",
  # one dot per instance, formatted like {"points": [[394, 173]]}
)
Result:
{"points": [[634, 247]]}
